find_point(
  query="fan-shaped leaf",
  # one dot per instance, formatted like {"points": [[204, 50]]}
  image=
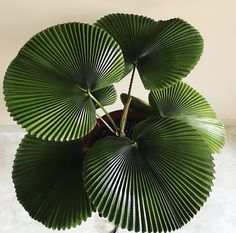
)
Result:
{"points": [[182, 101], [138, 105], [164, 51], [48, 182], [46, 85], [105, 96], [155, 182]]}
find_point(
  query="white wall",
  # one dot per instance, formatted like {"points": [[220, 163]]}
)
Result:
{"points": [[214, 76]]}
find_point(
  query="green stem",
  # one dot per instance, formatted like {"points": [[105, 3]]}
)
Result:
{"points": [[105, 111], [126, 106], [131, 81], [124, 117], [81, 88], [108, 126]]}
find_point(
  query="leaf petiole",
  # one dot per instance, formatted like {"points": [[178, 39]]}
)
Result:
{"points": [[105, 111], [126, 106]]}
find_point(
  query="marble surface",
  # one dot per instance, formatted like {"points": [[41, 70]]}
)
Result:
{"points": [[218, 215]]}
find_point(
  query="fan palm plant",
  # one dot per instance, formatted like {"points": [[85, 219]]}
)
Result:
{"points": [[148, 167]]}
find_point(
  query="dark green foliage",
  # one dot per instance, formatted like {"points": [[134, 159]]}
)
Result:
{"points": [[163, 51], [182, 101], [106, 95], [139, 106], [155, 182], [49, 184], [46, 85], [152, 174]]}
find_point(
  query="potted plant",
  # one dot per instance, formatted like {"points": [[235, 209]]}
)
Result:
{"points": [[148, 167]]}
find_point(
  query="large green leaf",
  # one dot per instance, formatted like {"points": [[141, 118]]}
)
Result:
{"points": [[155, 182], [182, 101], [49, 184], [163, 51], [46, 86]]}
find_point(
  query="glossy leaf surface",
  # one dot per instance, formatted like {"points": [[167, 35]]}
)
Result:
{"points": [[105, 96], [46, 85], [155, 182], [182, 101], [163, 51], [49, 184]]}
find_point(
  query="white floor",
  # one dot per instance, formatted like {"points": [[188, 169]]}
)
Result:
{"points": [[217, 216]]}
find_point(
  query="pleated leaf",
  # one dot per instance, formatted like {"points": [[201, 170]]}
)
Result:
{"points": [[46, 86], [139, 106], [49, 184], [182, 101], [153, 183], [106, 96], [163, 51]]}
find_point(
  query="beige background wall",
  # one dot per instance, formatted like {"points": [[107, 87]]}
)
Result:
{"points": [[214, 76]]}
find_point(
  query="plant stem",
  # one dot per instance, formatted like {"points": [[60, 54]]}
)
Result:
{"points": [[131, 81], [115, 229], [124, 117], [105, 111], [108, 126], [126, 107]]}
